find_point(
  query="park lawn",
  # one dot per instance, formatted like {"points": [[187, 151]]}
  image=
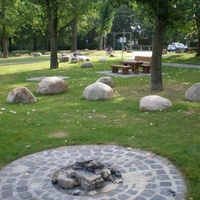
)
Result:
{"points": [[185, 58], [68, 119]]}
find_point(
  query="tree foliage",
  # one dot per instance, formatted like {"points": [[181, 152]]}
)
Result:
{"points": [[163, 14], [104, 22], [8, 22]]}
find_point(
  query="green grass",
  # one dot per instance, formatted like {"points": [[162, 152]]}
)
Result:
{"points": [[186, 58], [68, 119]]}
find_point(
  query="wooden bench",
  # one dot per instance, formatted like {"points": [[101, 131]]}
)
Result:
{"points": [[125, 69], [146, 63]]}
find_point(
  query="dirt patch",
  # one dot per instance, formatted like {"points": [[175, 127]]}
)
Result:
{"points": [[59, 134]]}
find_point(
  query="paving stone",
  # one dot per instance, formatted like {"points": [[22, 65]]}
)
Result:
{"points": [[163, 177], [7, 194], [7, 187], [25, 195], [163, 184], [156, 166], [165, 192], [140, 198], [160, 172], [23, 188], [147, 193], [151, 186], [123, 197], [11, 180], [158, 197]]}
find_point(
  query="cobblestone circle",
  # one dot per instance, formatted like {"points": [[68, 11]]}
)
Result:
{"points": [[146, 176]]}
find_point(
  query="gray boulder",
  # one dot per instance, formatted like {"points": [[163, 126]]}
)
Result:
{"points": [[64, 58], [21, 95], [77, 53], [75, 60], [154, 102], [103, 60], [83, 58], [111, 55], [106, 80], [193, 93], [52, 85], [98, 91], [36, 54], [87, 65]]}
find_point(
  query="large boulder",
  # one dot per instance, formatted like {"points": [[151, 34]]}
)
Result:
{"points": [[106, 80], [64, 58], [75, 60], [193, 93], [36, 54], [87, 65], [52, 85], [154, 102], [21, 95], [77, 53], [103, 60], [98, 91], [83, 58]]}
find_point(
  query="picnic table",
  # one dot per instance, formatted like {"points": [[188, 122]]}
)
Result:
{"points": [[140, 61], [133, 63]]}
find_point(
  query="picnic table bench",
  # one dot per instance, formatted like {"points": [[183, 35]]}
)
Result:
{"points": [[146, 65], [124, 68]]}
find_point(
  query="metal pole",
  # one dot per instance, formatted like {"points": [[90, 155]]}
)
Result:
{"points": [[114, 40]]}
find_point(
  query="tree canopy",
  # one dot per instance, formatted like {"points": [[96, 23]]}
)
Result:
{"points": [[56, 24]]}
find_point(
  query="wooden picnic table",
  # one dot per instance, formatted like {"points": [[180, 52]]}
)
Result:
{"points": [[133, 63]]}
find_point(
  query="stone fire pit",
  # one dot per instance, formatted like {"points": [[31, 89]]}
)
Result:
{"points": [[87, 177]]}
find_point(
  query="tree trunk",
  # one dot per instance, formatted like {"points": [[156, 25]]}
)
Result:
{"points": [[100, 41], [10, 44], [5, 48], [74, 36], [4, 42], [198, 31], [3, 33], [54, 57], [53, 25], [156, 64], [34, 42]]}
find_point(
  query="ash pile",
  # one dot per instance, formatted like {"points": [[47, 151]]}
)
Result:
{"points": [[87, 178]]}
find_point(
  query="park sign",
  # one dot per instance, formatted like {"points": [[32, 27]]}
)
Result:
{"points": [[122, 39]]}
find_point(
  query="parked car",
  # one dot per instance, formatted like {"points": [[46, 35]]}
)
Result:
{"points": [[178, 47]]}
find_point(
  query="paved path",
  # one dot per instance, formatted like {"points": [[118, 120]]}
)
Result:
{"points": [[146, 176], [181, 65]]}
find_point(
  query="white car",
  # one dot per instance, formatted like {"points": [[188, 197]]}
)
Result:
{"points": [[178, 47]]}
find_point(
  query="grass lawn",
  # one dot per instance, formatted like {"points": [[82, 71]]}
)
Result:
{"points": [[68, 119]]}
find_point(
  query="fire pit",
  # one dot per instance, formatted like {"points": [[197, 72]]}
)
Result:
{"points": [[87, 177]]}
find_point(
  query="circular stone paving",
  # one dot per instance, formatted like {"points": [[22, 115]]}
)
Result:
{"points": [[146, 176]]}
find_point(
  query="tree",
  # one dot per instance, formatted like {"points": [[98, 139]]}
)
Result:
{"points": [[60, 15], [197, 20], [51, 9], [104, 24], [132, 21], [3, 34], [32, 25], [164, 13], [82, 6], [7, 20]]}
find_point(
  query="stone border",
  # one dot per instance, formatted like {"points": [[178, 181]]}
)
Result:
{"points": [[40, 78], [146, 176], [131, 74]]}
